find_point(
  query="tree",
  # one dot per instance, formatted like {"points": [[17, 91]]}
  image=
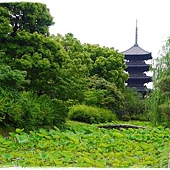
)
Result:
{"points": [[39, 56], [30, 68], [134, 105], [108, 64], [27, 16], [160, 97], [50, 68], [75, 71], [5, 29], [104, 94], [30, 50]]}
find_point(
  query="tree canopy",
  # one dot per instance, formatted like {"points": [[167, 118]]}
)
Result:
{"points": [[160, 97], [53, 69], [27, 16]]}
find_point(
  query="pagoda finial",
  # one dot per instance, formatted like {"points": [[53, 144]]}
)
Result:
{"points": [[136, 35]]}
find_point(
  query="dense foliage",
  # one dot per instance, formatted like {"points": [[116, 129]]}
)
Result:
{"points": [[107, 64], [160, 98], [89, 114], [28, 111], [44, 77], [42, 67], [134, 106], [87, 146], [30, 67], [29, 17]]}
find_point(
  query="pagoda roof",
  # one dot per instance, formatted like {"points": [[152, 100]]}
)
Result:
{"points": [[135, 50]]}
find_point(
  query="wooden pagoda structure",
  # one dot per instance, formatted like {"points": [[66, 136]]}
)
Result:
{"points": [[135, 58]]}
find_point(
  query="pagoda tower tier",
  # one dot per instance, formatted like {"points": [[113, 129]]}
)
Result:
{"points": [[138, 81], [135, 58], [139, 68]]}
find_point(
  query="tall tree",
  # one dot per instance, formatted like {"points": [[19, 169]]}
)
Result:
{"points": [[30, 50], [41, 57], [107, 78], [27, 16], [107, 64], [30, 68], [76, 70], [160, 98]]}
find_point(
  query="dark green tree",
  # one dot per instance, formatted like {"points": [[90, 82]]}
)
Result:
{"points": [[75, 71], [31, 68], [107, 78], [104, 94], [27, 16], [39, 56], [5, 29], [107, 64]]}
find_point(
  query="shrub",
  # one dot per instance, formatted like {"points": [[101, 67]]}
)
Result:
{"points": [[29, 111], [89, 114], [104, 94], [126, 117], [134, 106], [165, 111]]}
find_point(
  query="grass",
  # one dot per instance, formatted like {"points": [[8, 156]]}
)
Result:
{"points": [[74, 123]]}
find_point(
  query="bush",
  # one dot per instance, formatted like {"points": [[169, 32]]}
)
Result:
{"points": [[126, 117], [165, 111], [89, 114], [104, 94], [134, 106], [29, 111]]}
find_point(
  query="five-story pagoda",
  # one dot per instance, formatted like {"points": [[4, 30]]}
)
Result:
{"points": [[136, 67]]}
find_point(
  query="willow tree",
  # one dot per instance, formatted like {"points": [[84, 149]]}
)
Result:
{"points": [[160, 97]]}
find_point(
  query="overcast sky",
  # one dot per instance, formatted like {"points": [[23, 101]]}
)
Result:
{"points": [[112, 23]]}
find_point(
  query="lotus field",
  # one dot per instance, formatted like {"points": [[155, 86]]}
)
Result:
{"points": [[87, 146]]}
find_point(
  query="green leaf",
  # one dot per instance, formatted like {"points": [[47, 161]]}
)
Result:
{"points": [[7, 155], [118, 135], [20, 131], [44, 155], [22, 138]]}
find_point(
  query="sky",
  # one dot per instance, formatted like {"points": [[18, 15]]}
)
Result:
{"points": [[112, 23]]}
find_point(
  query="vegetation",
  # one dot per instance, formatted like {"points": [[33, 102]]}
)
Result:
{"points": [[29, 62], [86, 146], [45, 75], [46, 80], [159, 100], [134, 106], [89, 114]]}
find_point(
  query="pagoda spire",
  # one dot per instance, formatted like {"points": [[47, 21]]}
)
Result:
{"points": [[136, 35]]}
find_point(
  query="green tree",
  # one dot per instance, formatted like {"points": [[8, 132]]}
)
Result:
{"points": [[4, 24], [104, 94], [27, 16], [107, 78], [25, 46], [108, 64], [40, 56], [75, 71], [160, 98], [134, 105], [30, 68]]}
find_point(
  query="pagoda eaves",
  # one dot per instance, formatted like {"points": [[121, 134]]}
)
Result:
{"points": [[135, 60]]}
